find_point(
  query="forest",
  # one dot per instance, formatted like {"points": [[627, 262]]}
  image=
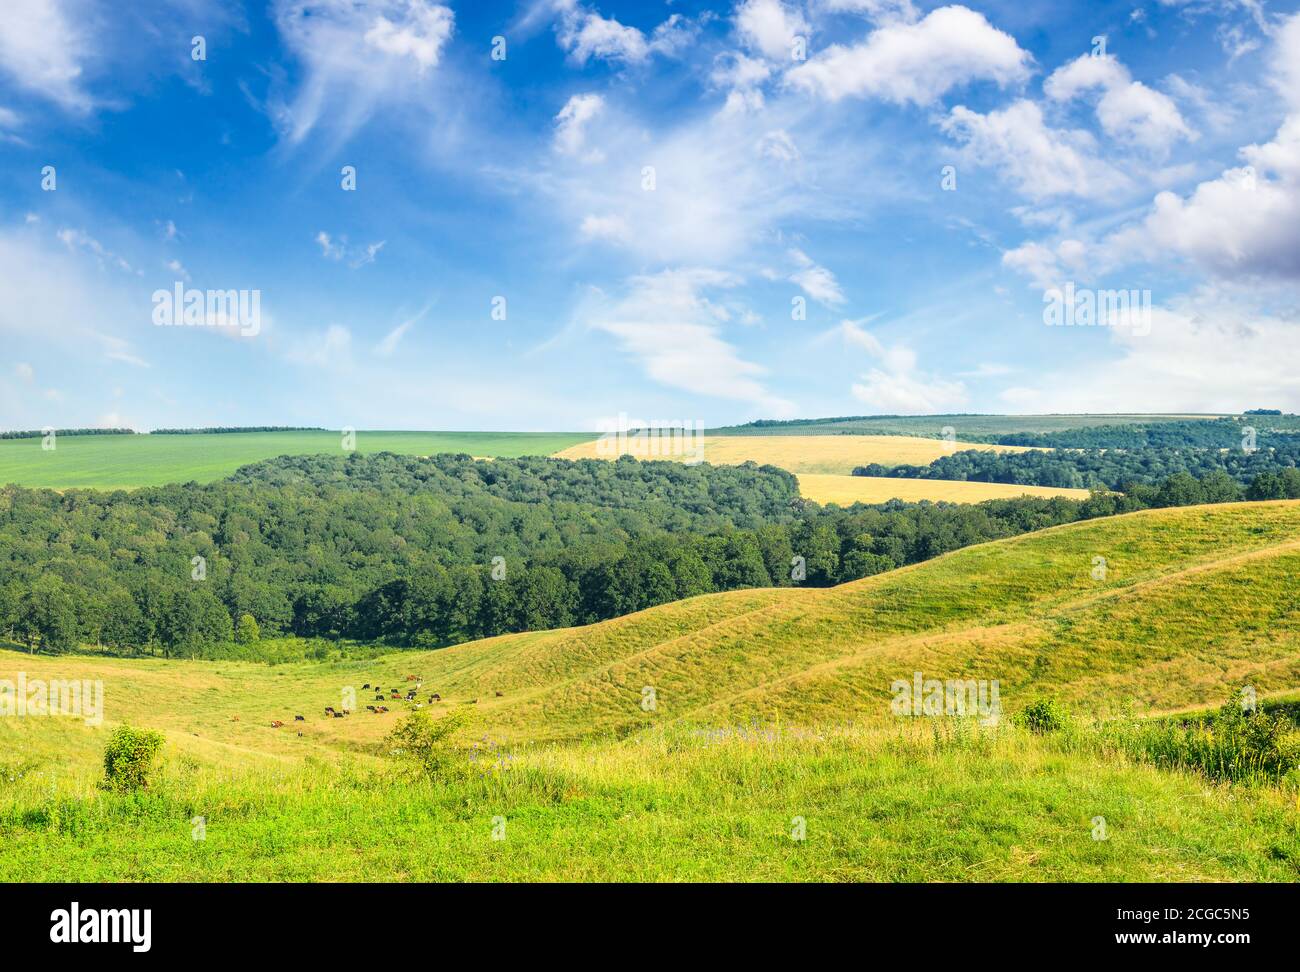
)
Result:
{"points": [[430, 552], [1267, 472]]}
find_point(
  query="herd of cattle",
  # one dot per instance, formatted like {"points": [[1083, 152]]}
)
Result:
{"points": [[411, 697]]}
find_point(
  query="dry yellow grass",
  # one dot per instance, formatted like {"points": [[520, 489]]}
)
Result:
{"points": [[824, 454], [846, 490]]}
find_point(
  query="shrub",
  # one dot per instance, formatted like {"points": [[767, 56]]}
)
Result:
{"points": [[128, 758], [1043, 716], [424, 743], [1234, 745]]}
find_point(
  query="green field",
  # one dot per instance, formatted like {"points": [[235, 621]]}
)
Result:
{"points": [[129, 461], [974, 428], [770, 705]]}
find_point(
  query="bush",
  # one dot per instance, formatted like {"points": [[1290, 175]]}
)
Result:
{"points": [[424, 743], [128, 758], [1043, 716], [1232, 745]]}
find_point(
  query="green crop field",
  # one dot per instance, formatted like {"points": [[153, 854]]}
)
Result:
{"points": [[129, 461], [769, 717]]}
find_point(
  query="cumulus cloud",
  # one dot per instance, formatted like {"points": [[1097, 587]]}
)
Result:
{"points": [[1126, 109], [1039, 161], [918, 62], [1247, 221], [1209, 352], [587, 35], [769, 27]]}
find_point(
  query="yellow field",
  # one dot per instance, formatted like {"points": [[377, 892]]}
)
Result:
{"points": [[823, 454], [846, 490]]}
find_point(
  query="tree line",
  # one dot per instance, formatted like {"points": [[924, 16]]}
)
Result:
{"points": [[1118, 469]]}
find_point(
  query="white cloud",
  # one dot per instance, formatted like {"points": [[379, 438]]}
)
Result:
{"points": [[420, 34], [1041, 162], [1049, 266], [719, 186], [357, 53], [42, 48], [329, 249], [895, 386], [1210, 352], [24, 372], [1246, 222], [585, 34], [571, 124], [1127, 109], [917, 63], [338, 249], [388, 345], [667, 322], [770, 27], [816, 281], [76, 239]]}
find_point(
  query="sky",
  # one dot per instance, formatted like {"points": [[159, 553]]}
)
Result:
{"points": [[540, 215]]}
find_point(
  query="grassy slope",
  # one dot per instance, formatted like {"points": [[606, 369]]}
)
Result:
{"points": [[111, 462], [1195, 602]]}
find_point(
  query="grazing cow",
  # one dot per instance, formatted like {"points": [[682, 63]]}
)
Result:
{"points": [[366, 686], [379, 698], [234, 718], [370, 708], [437, 697], [276, 724], [299, 718], [500, 694], [339, 715]]}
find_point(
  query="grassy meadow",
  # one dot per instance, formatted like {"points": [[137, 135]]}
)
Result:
{"points": [[129, 461], [769, 705]]}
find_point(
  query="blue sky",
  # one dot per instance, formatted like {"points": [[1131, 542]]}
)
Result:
{"points": [[652, 188]]}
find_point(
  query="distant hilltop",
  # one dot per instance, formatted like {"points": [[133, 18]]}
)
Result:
{"points": [[213, 430]]}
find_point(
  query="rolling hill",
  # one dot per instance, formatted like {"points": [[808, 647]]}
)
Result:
{"points": [[768, 704]]}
